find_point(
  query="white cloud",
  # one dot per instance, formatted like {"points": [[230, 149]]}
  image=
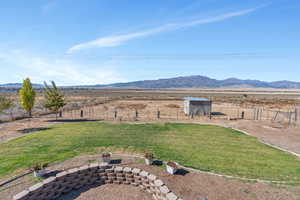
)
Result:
{"points": [[111, 41], [63, 71]]}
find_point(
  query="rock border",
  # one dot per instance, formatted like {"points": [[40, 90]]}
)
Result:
{"points": [[100, 174]]}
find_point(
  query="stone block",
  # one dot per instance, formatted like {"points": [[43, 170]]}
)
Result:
{"points": [[136, 171], [73, 171], [22, 195], [129, 175], [171, 196], [35, 188], [144, 174], [120, 175], [84, 169], [49, 180], [110, 170], [151, 177], [61, 175], [101, 170], [118, 169], [134, 184], [117, 182], [127, 170], [109, 181], [158, 183], [104, 166], [164, 189]]}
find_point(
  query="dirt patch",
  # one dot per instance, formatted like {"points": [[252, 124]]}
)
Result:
{"points": [[172, 106], [14, 129], [189, 185], [110, 191], [136, 106]]}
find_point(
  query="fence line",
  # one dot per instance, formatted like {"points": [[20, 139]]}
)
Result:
{"points": [[289, 117]]}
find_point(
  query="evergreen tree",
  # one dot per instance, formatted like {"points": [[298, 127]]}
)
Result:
{"points": [[55, 99], [27, 96]]}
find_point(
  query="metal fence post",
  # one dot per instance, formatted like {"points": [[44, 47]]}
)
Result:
{"points": [[116, 114]]}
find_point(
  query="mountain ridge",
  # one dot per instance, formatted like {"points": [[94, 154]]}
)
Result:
{"points": [[195, 81], [198, 81]]}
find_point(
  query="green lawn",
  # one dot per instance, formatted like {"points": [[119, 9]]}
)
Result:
{"points": [[205, 147]]}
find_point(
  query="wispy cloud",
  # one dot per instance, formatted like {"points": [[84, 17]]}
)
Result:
{"points": [[112, 41], [64, 71]]}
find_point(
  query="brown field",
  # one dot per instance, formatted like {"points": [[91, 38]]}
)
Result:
{"points": [[228, 101]]}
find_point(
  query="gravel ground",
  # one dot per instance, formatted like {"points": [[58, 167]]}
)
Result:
{"points": [[105, 192], [18, 128], [187, 185]]}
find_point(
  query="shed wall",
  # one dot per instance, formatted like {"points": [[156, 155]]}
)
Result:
{"points": [[197, 107]]}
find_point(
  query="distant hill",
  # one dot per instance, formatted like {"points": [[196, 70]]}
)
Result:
{"points": [[185, 82], [18, 85], [204, 82]]}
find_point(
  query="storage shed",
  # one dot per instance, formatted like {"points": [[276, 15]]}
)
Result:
{"points": [[197, 106]]}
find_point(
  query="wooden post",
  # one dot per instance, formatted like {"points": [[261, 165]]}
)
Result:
{"points": [[275, 116], [261, 114], [290, 118], [116, 114]]}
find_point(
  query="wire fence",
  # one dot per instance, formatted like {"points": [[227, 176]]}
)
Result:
{"points": [[107, 113]]}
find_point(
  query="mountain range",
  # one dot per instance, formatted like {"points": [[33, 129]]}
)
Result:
{"points": [[203, 82], [187, 82]]}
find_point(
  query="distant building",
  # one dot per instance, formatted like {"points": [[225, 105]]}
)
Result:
{"points": [[197, 106]]}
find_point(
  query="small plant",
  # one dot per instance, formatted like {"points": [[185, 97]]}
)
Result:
{"points": [[39, 169], [106, 157], [149, 158], [172, 164], [39, 166], [149, 155]]}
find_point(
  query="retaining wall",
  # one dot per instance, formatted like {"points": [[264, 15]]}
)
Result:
{"points": [[99, 174]]}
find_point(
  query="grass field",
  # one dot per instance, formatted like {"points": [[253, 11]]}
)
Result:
{"points": [[205, 147]]}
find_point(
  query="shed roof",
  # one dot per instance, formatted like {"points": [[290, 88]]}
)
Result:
{"points": [[196, 99]]}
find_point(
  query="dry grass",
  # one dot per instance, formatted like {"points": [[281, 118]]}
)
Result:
{"points": [[135, 106], [172, 106]]}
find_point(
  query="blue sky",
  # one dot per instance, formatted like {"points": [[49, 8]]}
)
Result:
{"points": [[105, 41]]}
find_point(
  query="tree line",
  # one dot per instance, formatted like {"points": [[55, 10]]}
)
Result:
{"points": [[54, 98]]}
